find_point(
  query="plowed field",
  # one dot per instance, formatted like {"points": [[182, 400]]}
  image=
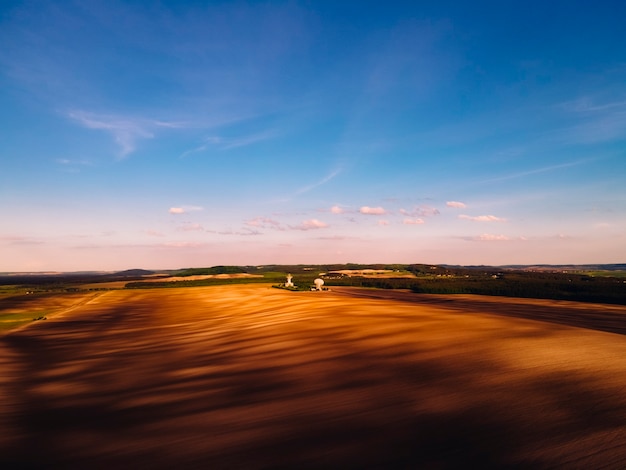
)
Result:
{"points": [[246, 376]]}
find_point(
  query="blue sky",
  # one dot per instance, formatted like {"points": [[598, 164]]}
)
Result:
{"points": [[174, 134]]}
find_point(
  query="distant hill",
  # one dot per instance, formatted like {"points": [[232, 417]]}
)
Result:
{"points": [[569, 267], [211, 270], [72, 278], [133, 273], [62, 280]]}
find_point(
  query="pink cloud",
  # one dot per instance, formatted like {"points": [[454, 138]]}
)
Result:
{"points": [[456, 204], [372, 210], [409, 221], [256, 222], [183, 245], [192, 228], [336, 210], [311, 224], [488, 237], [421, 211], [12, 238], [338, 237], [482, 218], [184, 209], [153, 233], [249, 232], [264, 222]]}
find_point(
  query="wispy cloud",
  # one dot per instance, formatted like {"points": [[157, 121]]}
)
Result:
{"points": [[184, 209], [72, 166], [17, 240], [68, 161], [224, 143], [587, 104], [482, 218], [170, 124], [208, 142], [611, 126], [321, 182], [12, 238], [372, 210], [535, 171], [125, 132], [337, 210], [248, 232], [247, 140], [597, 121], [245, 231], [456, 204]]}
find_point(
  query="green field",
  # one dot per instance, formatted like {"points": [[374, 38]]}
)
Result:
{"points": [[8, 321], [616, 274], [20, 309]]}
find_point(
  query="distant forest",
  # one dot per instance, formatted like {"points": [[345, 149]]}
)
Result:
{"points": [[540, 285]]}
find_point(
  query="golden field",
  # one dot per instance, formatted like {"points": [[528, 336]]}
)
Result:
{"points": [[245, 376]]}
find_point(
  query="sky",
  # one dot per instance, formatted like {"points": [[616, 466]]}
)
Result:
{"points": [[172, 134]]}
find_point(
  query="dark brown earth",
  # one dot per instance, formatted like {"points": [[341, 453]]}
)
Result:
{"points": [[246, 376]]}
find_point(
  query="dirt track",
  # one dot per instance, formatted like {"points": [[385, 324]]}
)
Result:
{"points": [[246, 376]]}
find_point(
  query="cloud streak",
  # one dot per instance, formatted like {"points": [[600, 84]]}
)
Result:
{"points": [[319, 183], [221, 143], [536, 171], [247, 140], [208, 142], [482, 218], [184, 209]]}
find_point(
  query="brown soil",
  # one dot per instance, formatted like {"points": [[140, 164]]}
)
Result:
{"points": [[247, 376]]}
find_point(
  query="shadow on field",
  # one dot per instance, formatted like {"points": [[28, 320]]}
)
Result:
{"points": [[612, 319]]}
